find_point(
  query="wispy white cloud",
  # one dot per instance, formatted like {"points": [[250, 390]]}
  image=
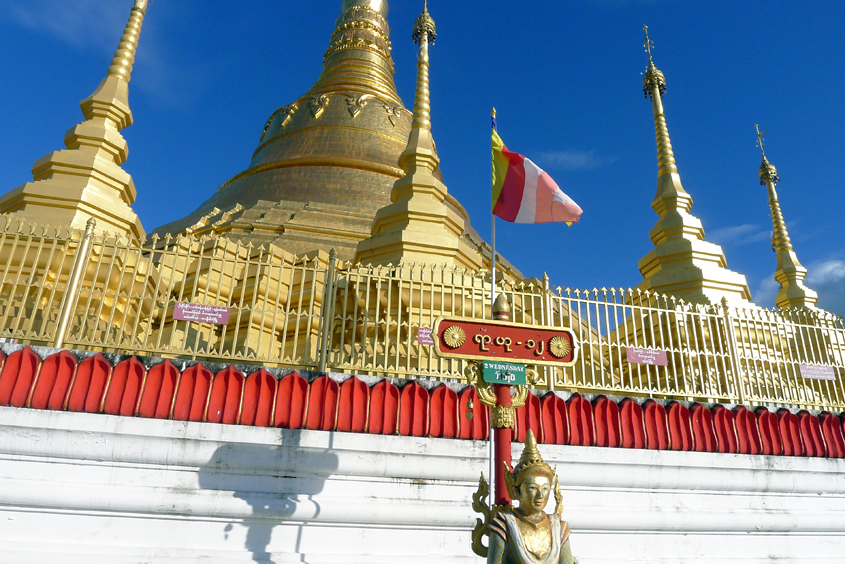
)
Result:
{"points": [[74, 22], [827, 277], [739, 234], [574, 160], [826, 272], [97, 25]]}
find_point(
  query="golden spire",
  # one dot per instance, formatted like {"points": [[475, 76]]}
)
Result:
{"points": [[124, 58], [683, 263], [425, 33], [86, 180], [420, 151], [111, 99], [418, 227], [358, 59], [790, 273], [654, 86]]}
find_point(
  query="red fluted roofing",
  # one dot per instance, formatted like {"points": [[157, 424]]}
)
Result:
{"points": [[129, 389]]}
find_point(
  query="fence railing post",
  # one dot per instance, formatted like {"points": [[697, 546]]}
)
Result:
{"points": [[730, 335], [71, 297], [328, 306]]}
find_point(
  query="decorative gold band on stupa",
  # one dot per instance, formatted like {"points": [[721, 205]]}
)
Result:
{"points": [[124, 58], [358, 58]]}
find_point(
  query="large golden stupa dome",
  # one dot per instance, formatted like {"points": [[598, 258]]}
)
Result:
{"points": [[327, 161]]}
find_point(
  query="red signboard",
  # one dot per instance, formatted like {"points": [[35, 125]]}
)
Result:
{"points": [[654, 357], [202, 313], [505, 341]]}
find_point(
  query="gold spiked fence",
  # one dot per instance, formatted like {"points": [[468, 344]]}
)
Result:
{"points": [[315, 312]]}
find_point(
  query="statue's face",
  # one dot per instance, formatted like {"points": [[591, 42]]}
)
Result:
{"points": [[534, 493]]}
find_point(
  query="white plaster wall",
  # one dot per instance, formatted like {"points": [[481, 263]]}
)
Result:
{"points": [[81, 488]]}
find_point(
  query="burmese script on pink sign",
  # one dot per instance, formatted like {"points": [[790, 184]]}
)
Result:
{"points": [[647, 356], [817, 372], [424, 336], [201, 313]]}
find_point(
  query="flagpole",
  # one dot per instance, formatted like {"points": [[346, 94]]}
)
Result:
{"points": [[490, 454], [493, 235]]}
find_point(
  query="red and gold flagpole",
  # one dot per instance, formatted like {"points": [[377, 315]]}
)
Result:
{"points": [[502, 421]]}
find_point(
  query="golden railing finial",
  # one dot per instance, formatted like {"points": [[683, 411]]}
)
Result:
{"points": [[649, 44], [760, 139]]}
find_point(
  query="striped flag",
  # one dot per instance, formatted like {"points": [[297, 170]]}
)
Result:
{"points": [[525, 193]]}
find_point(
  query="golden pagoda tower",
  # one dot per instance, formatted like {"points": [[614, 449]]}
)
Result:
{"points": [[790, 273], [85, 180], [419, 226], [327, 161], [682, 263]]}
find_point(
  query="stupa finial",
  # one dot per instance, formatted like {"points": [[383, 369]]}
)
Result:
{"points": [[652, 77], [760, 139], [654, 86], [648, 44], [768, 172], [425, 25], [424, 34]]}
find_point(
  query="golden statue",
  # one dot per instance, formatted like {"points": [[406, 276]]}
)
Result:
{"points": [[527, 534]]}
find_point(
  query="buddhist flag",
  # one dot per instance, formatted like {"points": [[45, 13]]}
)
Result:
{"points": [[525, 193]]}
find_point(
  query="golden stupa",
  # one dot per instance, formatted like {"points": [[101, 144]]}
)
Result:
{"points": [[326, 162]]}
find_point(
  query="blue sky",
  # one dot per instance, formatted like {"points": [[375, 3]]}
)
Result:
{"points": [[565, 77]]}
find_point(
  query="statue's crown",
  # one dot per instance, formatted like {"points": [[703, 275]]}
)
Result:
{"points": [[529, 463]]}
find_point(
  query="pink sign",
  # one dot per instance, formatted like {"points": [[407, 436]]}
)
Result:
{"points": [[424, 336], [201, 313], [647, 356], [817, 372]]}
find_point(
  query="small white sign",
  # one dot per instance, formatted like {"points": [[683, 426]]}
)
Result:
{"points": [[817, 372]]}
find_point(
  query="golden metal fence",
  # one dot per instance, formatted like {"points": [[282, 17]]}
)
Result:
{"points": [[97, 292]]}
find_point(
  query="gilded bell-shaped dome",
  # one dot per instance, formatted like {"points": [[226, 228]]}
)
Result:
{"points": [[327, 161]]}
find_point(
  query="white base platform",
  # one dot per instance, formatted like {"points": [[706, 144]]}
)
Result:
{"points": [[92, 489]]}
